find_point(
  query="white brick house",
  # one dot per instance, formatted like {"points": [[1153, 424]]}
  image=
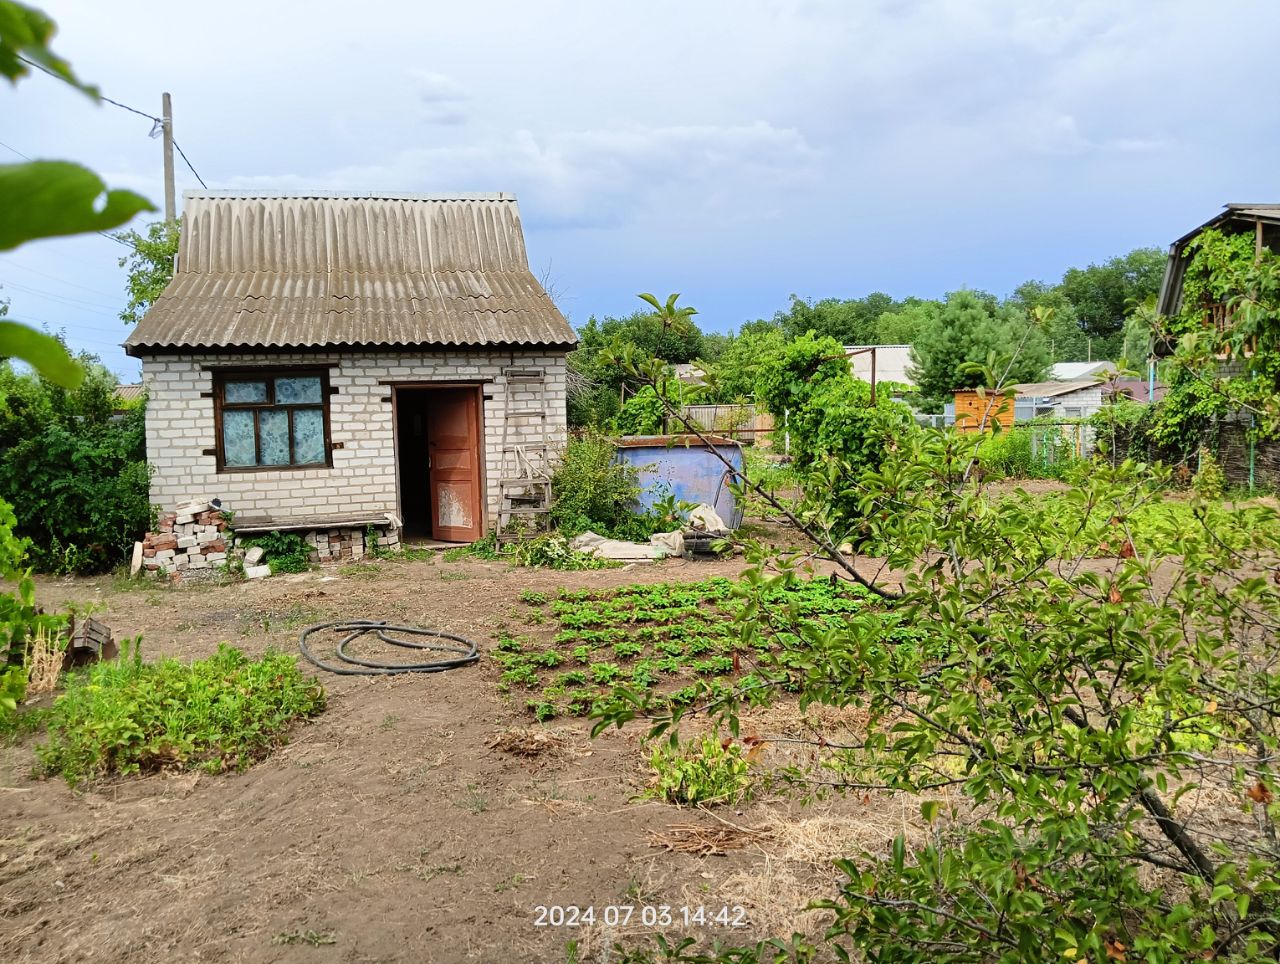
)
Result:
{"points": [[329, 363]]}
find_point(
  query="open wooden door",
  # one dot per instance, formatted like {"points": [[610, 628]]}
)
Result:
{"points": [[453, 434]]}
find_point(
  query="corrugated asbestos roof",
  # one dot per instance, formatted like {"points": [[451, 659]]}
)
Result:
{"points": [[1053, 389], [309, 271]]}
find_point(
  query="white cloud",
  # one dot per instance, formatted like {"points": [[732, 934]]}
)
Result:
{"points": [[584, 178], [443, 101]]}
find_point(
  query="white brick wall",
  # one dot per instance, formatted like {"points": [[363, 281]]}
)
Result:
{"points": [[363, 478]]}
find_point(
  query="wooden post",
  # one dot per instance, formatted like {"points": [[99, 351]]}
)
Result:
{"points": [[873, 377], [170, 212]]}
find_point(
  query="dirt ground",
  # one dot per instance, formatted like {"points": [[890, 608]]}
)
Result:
{"points": [[388, 829]]}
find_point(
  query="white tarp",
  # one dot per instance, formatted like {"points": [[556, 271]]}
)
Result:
{"points": [[617, 549]]}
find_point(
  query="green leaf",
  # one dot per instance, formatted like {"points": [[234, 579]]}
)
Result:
{"points": [[44, 199], [26, 31], [42, 352], [929, 810]]}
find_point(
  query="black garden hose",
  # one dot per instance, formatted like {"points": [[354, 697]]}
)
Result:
{"points": [[466, 652]]}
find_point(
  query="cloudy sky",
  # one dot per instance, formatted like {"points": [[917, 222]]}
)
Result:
{"points": [[732, 150]]}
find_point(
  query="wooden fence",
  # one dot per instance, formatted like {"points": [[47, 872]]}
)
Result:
{"points": [[743, 423]]}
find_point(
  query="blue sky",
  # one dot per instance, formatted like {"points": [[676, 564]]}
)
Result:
{"points": [[732, 150]]}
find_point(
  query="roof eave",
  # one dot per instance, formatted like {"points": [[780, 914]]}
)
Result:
{"points": [[145, 350]]}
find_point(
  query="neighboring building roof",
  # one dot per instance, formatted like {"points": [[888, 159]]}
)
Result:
{"points": [[1053, 389], [1234, 217], [129, 393], [892, 362], [1077, 370], [317, 270], [689, 374], [1138, 389]]}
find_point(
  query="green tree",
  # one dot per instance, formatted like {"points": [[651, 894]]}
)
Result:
{"points": [[850, 321], [1102, 294], [902, 326], [149, 265], [1067, 340], [736, 373], [679, 319], [596, 384], [74, 472], [969, 331]]}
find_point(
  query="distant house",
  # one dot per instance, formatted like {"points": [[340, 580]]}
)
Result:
{"points": [[325, 363], [127, 396], [1076, 371], [880, 363], [1244, 458], [1059, 400], [1260, 220]]}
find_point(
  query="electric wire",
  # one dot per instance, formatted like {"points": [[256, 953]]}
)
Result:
{"points": [[132, 110]]}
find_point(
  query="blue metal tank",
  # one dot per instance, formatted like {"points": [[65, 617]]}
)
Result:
{"points": [[685, 467]]}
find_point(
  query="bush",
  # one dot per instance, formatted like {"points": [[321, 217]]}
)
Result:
{"points": [[554, 552], [1094, 756], [592, 489], [220, 713], [74, 472], [706, 771], [1028, 451], [283, 551], [1209, 483], [641, 414], [828, 414]]}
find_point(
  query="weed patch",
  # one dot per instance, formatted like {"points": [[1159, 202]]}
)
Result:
{"points": [[216, 714], [706, 771]]}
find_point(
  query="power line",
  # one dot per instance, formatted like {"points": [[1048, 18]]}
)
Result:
{"points": [[133, 110], [183, 154], [15, 150], [62, 281], [54, 295]]}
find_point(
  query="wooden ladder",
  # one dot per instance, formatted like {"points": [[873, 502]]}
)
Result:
{"points": [[524, 485]]}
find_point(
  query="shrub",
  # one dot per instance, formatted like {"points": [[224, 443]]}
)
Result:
{"points": [[74, 472], [554, 552], [706, 771], [283, 551], [592, 489], [1209, 483], [1028, 451], [219, 713], [641, 414]]}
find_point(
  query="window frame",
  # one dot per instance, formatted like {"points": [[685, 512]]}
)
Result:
{"points": [[222, 376]]}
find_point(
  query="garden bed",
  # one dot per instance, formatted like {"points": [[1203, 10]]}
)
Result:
{"points": [[679, 641]]}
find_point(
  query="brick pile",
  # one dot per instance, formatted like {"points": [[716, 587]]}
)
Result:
{"points": [[334, 544], [191, 539]]}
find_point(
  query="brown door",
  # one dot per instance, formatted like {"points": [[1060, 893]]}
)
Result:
{"points": [[453, 439]]}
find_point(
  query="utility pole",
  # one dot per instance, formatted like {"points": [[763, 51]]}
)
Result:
{"points": [[170, 214]]}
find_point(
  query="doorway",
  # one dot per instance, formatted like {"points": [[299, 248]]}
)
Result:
{"points": [[438, 458]]}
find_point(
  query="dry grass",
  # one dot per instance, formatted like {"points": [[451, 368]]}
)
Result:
{"points": [[797, 865], [526, 741], [45, 663], [704, 841]]}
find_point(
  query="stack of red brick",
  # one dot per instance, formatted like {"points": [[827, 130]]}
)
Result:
{"points": [[194, 537]]}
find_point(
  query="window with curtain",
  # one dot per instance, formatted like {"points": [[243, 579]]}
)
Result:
{"points": [[272, 419]]}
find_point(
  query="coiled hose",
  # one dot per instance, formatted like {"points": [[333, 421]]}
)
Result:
{"points": [[465, 653]]}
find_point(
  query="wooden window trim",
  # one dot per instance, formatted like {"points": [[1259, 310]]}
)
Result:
{"points": [[223, 375]]}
